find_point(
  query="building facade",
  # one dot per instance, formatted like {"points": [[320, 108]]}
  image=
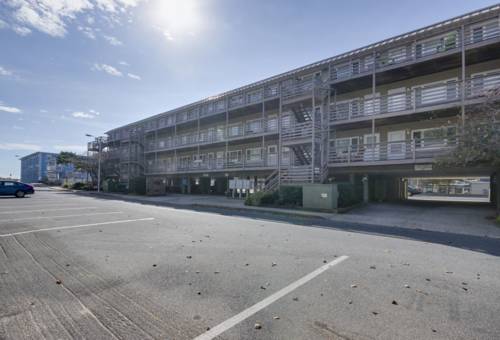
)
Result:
{"points": [[381, 112], [42, 167], [38, 167]]}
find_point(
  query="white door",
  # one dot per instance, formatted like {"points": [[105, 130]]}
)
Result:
{"points": [[371, 147], [272, 155], [396, 145]]}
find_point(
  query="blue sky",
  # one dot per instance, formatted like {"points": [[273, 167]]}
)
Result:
{"points": [[71, 67]]}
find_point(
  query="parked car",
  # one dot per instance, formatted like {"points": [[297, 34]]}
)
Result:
{"points": [[412, 190], [18, 189]]}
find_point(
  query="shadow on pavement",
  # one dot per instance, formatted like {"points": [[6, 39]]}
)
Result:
{"points": [[486, 245]]}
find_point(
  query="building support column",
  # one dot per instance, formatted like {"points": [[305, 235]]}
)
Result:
{"points": [[280, 111], [366, 191], [313, 146], [462, 88]]}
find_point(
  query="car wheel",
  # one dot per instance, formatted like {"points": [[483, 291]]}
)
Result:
{"points": [[20, 194]]}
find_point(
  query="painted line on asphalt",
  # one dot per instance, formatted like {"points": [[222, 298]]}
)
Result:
{"points": [[40, 210], [76, 226], [57, 216], [231, 322]]}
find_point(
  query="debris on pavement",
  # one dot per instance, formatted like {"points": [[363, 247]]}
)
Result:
{"points": [[373, 267], [407, 286], [276, 317], [394, 302], [375, 313], [274, 264], [354, 285], [295, 299], [58, 282], [257, 326], [189, 257]]}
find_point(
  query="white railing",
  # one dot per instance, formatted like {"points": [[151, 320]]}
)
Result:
{"points": [[299, 88], [205, 164], [242, 129], [424, 96], [412, 150], [297, 131], [442, 43]]}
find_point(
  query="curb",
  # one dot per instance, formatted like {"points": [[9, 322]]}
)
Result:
{"points": [[209, 206]]}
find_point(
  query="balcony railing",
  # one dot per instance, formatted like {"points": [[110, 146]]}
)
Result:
{"points": [[421, 97], [394, 152], [299, 88], [443, 43], [210, 164], [243, 129]]}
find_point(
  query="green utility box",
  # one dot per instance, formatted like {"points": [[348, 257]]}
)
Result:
{"points": [[320, 196]]}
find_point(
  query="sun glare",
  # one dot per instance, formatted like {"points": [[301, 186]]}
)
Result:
{"points": [[176, 18]]}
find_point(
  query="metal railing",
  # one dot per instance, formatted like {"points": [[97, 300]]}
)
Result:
{"points": [[299, 88], [298, 131], [443, 43], [242, 129], [415, 149], [417, 98], [208, 164]]}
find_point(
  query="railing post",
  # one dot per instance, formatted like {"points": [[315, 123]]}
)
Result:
{"points": [[414, 147]]}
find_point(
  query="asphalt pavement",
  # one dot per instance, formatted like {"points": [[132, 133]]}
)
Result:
{"points": [[74, 266]]}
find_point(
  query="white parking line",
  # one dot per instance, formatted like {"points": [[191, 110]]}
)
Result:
{"points": [[76, 226], [57, 216], [39, 210], [231, 322]]}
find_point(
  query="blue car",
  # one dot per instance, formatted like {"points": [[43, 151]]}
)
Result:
{"points": [[18, 189]]}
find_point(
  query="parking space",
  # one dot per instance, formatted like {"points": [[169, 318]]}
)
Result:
{"points": [[125, 270]]}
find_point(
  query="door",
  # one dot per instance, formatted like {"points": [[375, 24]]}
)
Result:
{"points": [[272, 155], [211, 160], [220, 160], [372, 147], [396, 145]]}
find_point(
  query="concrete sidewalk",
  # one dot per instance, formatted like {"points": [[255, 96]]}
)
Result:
{"points": [[467, 219]]}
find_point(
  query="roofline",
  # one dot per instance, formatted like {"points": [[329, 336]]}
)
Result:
{"points": [[36, 152], [322, 62]]}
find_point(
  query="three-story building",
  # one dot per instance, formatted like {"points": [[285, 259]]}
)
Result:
{"points": [[384, 112]]}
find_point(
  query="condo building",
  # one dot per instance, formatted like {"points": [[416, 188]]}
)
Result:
{"points": [[382, 112]]}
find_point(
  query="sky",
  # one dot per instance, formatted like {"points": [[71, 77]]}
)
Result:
{"points": [[75, 67]]}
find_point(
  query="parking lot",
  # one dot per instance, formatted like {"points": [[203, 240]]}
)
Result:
{"points": [[77, 266]]}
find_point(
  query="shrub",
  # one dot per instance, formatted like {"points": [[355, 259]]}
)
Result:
{"points": [[290, 196], [349, 194], [65, 186], [78, 186], [262, 198]]}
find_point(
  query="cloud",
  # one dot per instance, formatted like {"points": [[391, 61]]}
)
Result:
{"points": [[52, 17], [3, 24], [133, 76], [10, 109], [91, 114], [70, 147], [5, 72], [108, 69], [87, 31], [17, 127], [22, 31], [112, 40], [20, 146], [123, 63], [168, 35]]}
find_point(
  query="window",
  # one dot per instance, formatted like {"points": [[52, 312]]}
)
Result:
{"points": [[234, 156], [254, 154], [434, 137], [234, 130], [253, 126], [484, 30]]}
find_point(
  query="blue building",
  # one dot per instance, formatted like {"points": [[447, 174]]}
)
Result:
{"points": [[39, 167], [43, 167]]}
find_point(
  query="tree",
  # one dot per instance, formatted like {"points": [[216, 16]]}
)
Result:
{"points": [[81, 163], [478, 140]]}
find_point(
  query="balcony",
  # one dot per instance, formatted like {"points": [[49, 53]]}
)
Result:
{"points": [[299, 88], [214, 165], [418, 99], [479, 33], [214, 135], [411, 151], [298, 132]]}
